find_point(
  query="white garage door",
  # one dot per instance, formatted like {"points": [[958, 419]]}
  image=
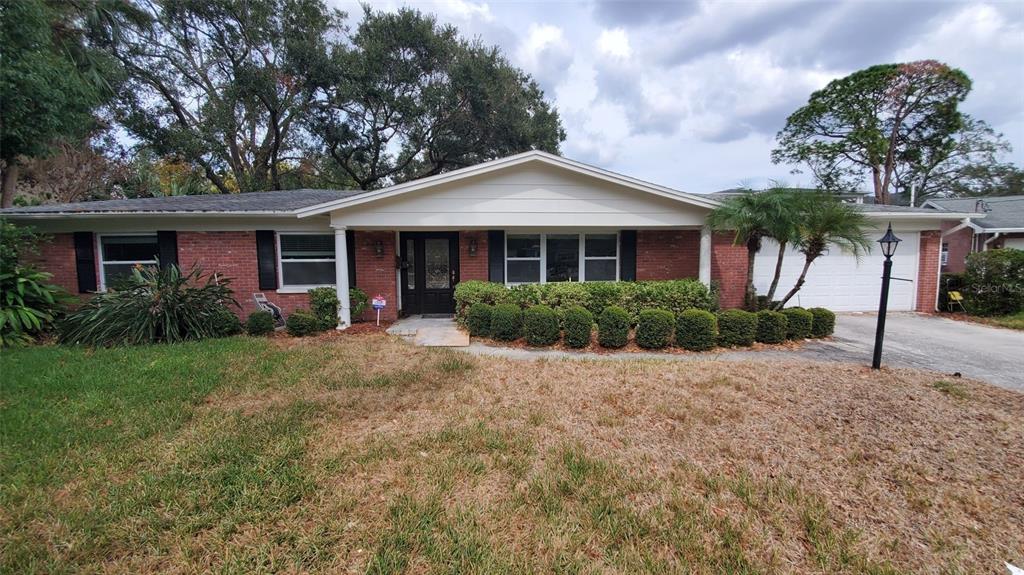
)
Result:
{"points": [[837, 281]]}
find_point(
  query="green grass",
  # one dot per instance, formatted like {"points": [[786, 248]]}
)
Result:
{"points": [[1012, 321], [951, 389]]}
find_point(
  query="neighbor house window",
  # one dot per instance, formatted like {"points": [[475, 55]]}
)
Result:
{"points": [[120, 253], [543, 258], [307, 260], [945, 253]]}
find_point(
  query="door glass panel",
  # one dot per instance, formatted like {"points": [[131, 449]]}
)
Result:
{"points": [[410, 260], [435, 256], [563, 263]]}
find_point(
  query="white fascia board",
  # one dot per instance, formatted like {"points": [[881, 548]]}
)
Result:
{"points": [[982, 230], [509, 161], [96, 215], [921, 215]]}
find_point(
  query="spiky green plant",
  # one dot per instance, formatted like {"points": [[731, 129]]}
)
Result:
{"points": [[154, 305]]}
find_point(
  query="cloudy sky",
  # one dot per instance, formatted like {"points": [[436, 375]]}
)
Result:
{"points": [[691, 95]]}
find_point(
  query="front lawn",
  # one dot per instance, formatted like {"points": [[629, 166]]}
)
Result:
{"points": [[360, 453], [1012, 321]]}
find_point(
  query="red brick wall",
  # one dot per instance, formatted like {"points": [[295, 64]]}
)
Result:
{"points": [[473, 267], [959, 246], [376, 274], [667, 254], [928, 271], [57, 257], [233, 255], [728, 269]]}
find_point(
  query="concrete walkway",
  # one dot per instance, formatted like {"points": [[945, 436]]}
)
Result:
{"points": [[430, 331], [948, 346]]}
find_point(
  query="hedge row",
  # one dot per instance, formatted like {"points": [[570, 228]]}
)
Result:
{"points": [[693, 329], [675, 296]]}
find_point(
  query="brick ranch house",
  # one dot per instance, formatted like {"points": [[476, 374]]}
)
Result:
{"points": [[1001, 227], [531, 217]]}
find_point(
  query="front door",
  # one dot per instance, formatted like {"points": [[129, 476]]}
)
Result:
{"points": [[429, 272]]}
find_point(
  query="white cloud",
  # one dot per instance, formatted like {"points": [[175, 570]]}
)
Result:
{"points": [[614, 43], [545, 53]]}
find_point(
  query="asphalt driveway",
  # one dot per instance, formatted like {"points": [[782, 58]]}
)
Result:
{"points": [[991, 354]]}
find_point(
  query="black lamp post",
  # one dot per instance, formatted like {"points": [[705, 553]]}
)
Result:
{"points": [[888, 242]]}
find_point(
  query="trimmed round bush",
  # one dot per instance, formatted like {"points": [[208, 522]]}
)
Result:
{"points": [[259, 323], [302, 323], [225, 323], [578, 324], [506, 322], [540, 325], [654, 330], [824, 322], [613, 327], [737, 328], [696, 330], [799, 322], [771, 326], [478, 319]]}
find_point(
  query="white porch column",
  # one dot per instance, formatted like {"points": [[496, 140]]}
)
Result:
{"points": [[704, 270], [341, 277]]}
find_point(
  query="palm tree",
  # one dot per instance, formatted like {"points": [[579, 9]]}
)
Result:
{"points": [[752, 217], [825, 220]]}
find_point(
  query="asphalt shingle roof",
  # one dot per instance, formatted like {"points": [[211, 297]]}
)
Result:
{"points": [[279, 201], [1003, 211]]}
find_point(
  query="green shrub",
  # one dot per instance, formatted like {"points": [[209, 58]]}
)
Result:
{"points": [[470, 292], [772, 326], [478, 319], [736, 327], [301, 323], [654, 330], [153, 305], [540, 324], [259, 323], [525, 295], [675, 296], [798, 322], [507, 322], [29, 304], [696, 330], [578, 324], [613, 327], [323, 304], [603, 295], [225, 323], [994, 282], [824, 322], [561, 296]]}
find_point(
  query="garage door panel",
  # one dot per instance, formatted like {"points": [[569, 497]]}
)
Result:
{"points": [[838, 281]]}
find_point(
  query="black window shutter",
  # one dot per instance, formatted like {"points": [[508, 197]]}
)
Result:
{"points": [[627, 259], [350, 249], [266, 255], [167, 246], [496, 255], [85, 261]]}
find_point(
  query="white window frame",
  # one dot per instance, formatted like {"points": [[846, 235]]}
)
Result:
{"points": [[296, 288], [543, 259], [102, 262], [944, 251]]}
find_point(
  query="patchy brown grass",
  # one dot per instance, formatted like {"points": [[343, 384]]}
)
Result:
{"points": [[424, 460]]}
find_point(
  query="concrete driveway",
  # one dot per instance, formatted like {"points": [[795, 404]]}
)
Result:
{"points": [[991, 354]]}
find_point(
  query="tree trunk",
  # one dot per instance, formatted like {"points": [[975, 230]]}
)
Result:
{"points": [[799, 282], [750, 297], [778, 272], [9, 183]]}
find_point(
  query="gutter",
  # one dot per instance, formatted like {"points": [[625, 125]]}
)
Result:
{"points": [[92, 215]]}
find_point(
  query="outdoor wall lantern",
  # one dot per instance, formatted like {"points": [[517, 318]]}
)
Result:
{"points": [[888, 242], [378, 248], [472, 247]]}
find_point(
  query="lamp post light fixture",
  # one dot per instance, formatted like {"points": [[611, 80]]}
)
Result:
{"points": [[888, 242]]}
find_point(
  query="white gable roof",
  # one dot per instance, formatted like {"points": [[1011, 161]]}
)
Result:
{"points": [[533, 157]]}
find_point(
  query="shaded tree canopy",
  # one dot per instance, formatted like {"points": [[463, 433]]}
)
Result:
{"points": [[409, 98], [882, 122]]}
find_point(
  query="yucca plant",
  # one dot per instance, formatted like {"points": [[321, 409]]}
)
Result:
{"points": [[154, 305]]}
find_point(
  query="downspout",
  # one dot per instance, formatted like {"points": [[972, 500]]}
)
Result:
{"points": [[964, 223], [995, 236]]}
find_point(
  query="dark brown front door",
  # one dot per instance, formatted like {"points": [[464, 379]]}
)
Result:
{"points": [[430, 270]]}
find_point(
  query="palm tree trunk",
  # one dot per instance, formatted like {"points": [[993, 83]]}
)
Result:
{"points": [[778, 271], [750, 297], [799, 282]]}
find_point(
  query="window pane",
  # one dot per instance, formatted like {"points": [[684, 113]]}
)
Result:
{"points": [[524, 271], [435, 262], [523, 246], [600, 270], [307, 273], [410, 259], [563, 258], [116, 274], [601, 245], [129, 248], [304, 246]]}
